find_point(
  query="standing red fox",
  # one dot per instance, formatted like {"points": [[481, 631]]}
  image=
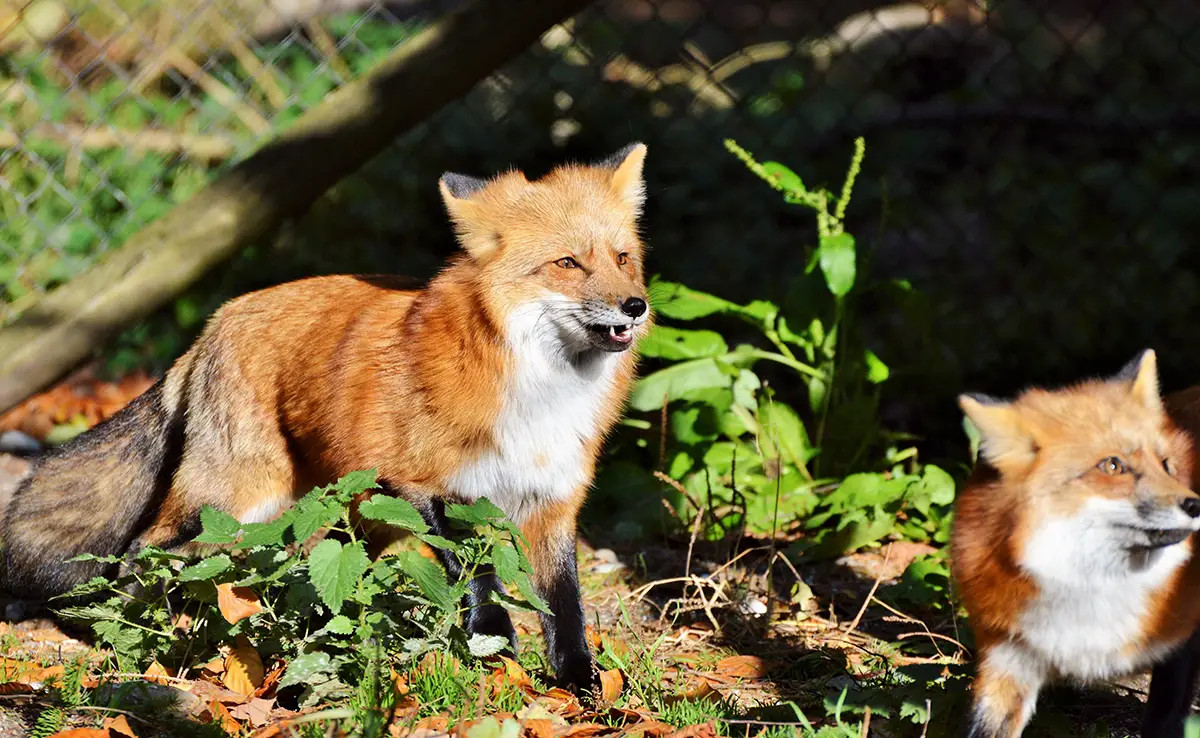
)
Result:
{"points": [[1074, 546], [500, 379]]}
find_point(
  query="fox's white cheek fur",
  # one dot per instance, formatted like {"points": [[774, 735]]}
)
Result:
{"points": [[551, 410], [1093, 595]]}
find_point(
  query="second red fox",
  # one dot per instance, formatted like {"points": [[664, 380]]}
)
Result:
{"points": [[1075, 546], [500, 379]]}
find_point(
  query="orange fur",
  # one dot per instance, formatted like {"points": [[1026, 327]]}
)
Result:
{"points": [[1045, 471]]}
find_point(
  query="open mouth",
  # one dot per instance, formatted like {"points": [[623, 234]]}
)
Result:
{"points": [[1160, 537], [611, 337]]}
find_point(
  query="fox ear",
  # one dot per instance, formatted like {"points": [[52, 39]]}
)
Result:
{"points": [[1142, 373], [457, 193], [627, 174], [1004, 441]]}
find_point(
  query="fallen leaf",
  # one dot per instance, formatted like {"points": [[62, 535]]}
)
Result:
{"points": [[207, 691], [539, 728], [702, 691], [269, 681], [611, 684], [433, 722], [83, 733], [237, 603], [221, 714], [593, 638], [243, 670], [650, 728], [155, 673], [271, 731], [585, 730], [508, 673], [257, 712], [119, 725], [703, 730], [15, 688], [745, 667]]}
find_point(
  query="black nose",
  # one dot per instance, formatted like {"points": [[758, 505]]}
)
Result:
{"points": [[1191, 506], [634, 307]]}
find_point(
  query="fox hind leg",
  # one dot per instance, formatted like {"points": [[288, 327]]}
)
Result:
{"points": [[1172, 689]]}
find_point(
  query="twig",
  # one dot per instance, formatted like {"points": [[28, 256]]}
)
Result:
{"points": [[328, 47], [931, 634], [678, 488], [250, 117], [866, 723], [871, 595]]}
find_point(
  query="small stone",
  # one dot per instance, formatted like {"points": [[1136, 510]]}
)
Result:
{"points": [[21, 444], [753, 606], [14, 611]]}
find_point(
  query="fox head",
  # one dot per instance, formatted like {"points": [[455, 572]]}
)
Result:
{"points": [[559, 258], [1102, 458]]}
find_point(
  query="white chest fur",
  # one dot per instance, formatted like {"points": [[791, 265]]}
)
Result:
{"points": [[550, 411], [1087, 622]]}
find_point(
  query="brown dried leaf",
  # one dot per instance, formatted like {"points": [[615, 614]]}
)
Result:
{"points": [[650, 729], [257, 712], [611, 684], [237, 603], [703, 730], [539, 728], [120, 726], [221, 714], [434, 722], [269, 681], [586, 730], [155, 673], [744, 667], [243, 671], [83, 733]]}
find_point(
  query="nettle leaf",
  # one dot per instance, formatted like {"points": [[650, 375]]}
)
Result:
{"points": [[935, 487], [308, 667], [482, 646], [206, 569], [506, 561], [788, 180], [673, 382], [430, 577], [837, 258], [673, 300], [394, 511], [334, 570], [340, 625], [744, 387], [355, 483], [218, 526], [481, 512], [877, 371], [676, 344], [273, 533], [310, 515], [784, 432]]}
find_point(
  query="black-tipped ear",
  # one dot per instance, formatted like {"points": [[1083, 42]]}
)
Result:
{"points": [[1129, 372], [461, 186], [618, 158]]}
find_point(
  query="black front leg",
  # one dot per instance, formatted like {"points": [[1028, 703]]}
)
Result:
{"points": [[1172, 689], [483, 616], [556, 577]]}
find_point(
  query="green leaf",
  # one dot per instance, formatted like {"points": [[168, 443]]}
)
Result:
{"points": [[785, 432], [307, 668], [673, 300], [340, 624], [507, 562], [784, 177], [206, 569], [934, 485], [394, 511], [355, 483], [676, 344], [674, 382], [312, 515], [334, 570], [744, 387], [217, 526], [837, 256], [481, 512], [430, 577], [482, 646], [877, 371], [273, 533], [527, 590]]}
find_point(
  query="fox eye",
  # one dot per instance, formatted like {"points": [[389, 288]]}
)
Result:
{"points": [[1112, 465], [1167, 467], [567, 263], [622, 258]]}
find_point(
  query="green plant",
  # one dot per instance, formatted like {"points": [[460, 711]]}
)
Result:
{"points": [[743, 457], [332, 614]]}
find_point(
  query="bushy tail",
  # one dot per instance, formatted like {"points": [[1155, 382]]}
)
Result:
{"points": [[94, 494]]}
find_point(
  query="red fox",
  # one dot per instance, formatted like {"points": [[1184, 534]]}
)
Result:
{"points": [[501, 378], [1074, 546]]}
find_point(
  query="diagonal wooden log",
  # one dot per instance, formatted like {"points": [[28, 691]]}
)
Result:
{"points": [[279, 181]]}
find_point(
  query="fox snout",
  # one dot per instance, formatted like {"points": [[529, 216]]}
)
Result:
{"points": [[634, 307]]}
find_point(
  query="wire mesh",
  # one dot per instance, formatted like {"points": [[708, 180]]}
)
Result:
{"points": [[1025, 156]]}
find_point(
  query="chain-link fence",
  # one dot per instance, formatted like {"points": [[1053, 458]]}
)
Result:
{"points": [[1031, 163]]}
